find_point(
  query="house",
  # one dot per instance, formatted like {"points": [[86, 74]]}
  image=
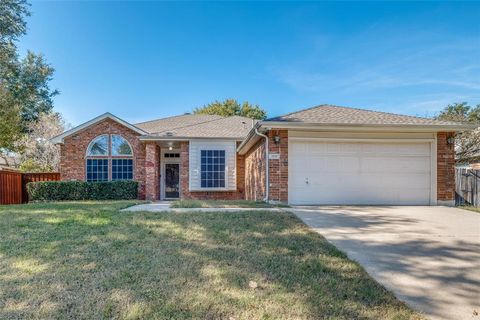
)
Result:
{"points": [[322, 155], [475, 166], [472, 162]]}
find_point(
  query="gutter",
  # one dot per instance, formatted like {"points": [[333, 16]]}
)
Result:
{"points": [[373, 127], [346, 127], [178, 138], [250, 134], [267, 178]]}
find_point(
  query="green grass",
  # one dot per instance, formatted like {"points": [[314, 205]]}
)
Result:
{"points": [[87, 260], [224, 204], [470, 208]]}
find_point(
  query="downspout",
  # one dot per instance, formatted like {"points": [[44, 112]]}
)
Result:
{"points": [[267, 180]]}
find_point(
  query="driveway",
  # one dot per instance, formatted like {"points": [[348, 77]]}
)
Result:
{"points": [[428, 257]]}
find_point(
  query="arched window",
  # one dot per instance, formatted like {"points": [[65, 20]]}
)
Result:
{"points": [[109, 158], [120, 146], [98, 147]]}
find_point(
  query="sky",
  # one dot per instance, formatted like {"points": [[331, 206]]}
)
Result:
{"points": [[148, 60]]}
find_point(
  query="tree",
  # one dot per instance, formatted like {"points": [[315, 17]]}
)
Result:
{"points": [[467, 143], [10, 125], [30, 87], [39, 154], [12, 27], [231, 107], [25, 91]]}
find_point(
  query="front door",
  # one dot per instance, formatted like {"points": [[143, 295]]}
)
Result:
{"points": [[172, 180]]}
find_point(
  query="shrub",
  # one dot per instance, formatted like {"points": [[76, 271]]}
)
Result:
{"points": [[80, 190]]}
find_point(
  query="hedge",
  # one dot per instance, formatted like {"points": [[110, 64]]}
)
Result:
{"points": [[80, 190]]}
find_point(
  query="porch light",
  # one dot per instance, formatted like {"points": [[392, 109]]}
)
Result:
{"points": [[450, 140], [276, 139]]}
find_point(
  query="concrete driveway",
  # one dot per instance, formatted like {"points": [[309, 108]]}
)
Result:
{"points": [[428, 257]]}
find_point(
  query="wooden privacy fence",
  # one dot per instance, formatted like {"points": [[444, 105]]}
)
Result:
{"points": [[13, 185], [467, 187], [10, 187]]}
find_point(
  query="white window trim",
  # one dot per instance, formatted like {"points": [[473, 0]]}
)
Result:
{"points": [[228, 186], [225, 173], [110, 157]]}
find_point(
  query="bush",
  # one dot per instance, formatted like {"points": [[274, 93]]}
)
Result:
{"points": [[80, 190]]}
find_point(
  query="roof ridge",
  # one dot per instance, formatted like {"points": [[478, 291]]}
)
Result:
{"points": [[384, 112], [177, 116], [351, 108], [194, 124], [302, 110]]}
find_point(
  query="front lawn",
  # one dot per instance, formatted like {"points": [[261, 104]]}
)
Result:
{"points": [[87, 260], [224, 204]]}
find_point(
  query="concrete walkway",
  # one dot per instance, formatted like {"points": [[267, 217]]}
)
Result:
{"points": [[164, 206], [428, 257]]}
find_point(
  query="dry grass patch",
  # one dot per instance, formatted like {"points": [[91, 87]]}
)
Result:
{"points": [[470, 208], [88, 260], [225, 204]]}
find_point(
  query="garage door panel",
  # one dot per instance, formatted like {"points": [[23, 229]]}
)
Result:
{"points": [[371, 181], [405, 164], [333, 196], [359, 173]]}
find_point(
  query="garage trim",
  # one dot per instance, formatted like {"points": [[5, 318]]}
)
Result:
{"points": [[433, 155]]}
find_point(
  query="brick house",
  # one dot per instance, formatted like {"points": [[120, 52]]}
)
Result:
{"points": [[322, 155]]}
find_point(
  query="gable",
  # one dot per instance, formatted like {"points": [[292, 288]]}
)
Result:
{"points": [[95, 121]]}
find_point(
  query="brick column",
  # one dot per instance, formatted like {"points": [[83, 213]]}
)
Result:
{"points": [[278, 169], [152, 168], [445, 169]]}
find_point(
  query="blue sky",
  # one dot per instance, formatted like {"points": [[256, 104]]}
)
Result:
{"points": [[146, 60]]}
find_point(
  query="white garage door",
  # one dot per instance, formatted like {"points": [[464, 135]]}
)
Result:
{"points": [[359, 173]]}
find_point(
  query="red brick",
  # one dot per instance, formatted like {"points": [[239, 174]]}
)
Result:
{"points": [[445, 167], [73, 151], [255, 184]]}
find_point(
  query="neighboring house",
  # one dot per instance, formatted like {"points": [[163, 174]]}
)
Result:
{"points": [[472, 162], [475, 165], [321, 155]]}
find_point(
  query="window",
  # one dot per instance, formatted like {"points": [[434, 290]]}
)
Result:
{"points": [[109, 158], [122, 169], [120, 146], [171, 155], [98, 147], [97, 170], [213, 168]]}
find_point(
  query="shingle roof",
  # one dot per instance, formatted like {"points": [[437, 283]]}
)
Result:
{"points": [[328, 114], [198, 126]]}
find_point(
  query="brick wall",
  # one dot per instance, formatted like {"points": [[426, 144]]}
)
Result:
{"points": [[278, 172], [152, 171], [209, 195], [73, 151], [255, 164], [445, 168]]}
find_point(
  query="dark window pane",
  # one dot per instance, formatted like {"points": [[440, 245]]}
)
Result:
{"points": [[212, 167], [97, 169], [122, 169]]}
